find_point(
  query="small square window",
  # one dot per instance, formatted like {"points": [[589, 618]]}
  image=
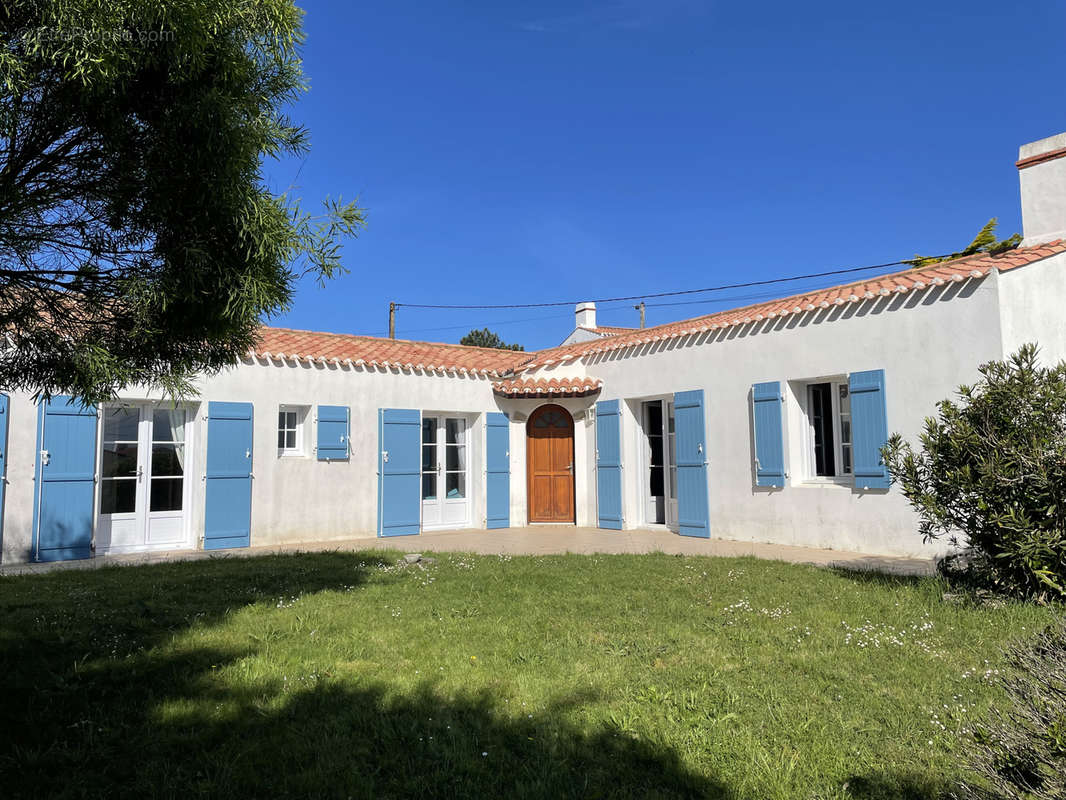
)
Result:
{"points": [[291, 422], [828, 412]]}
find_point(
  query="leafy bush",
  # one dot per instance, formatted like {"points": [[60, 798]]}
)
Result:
{"points": [[992, 472], [1021, 753]]}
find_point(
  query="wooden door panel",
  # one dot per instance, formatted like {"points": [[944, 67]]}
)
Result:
{"points": [[550, 454], [562, 498], [561, 448], [541, 498]]}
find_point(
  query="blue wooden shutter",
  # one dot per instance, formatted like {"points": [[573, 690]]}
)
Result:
{"points": [[4, 406], [332, 441], [766, 403], [399, 472], [609, 464], [693, 513], [869, 428], [228, 494], [66, 480], [497, 471]]}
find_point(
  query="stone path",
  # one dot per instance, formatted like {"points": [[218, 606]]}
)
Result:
{"points": [[533, 540]]}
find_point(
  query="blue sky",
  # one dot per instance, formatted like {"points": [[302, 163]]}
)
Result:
{"points": [[512, 152]]}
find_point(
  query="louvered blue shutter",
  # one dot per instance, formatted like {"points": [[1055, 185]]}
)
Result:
{"points": [[333, 425], [497, 471], [869, 428], [399, 472], [66, 480], [4, 412], [767, 402], [228, 477], [693, 513], [609, 464]]}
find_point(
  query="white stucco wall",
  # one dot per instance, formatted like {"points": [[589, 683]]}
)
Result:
{"points": [[293, 498], [580, 335], [1043, 191], [928, 343], [1033, 303], [18, 496]]}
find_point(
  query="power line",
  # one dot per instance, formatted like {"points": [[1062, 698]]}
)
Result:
{"points": [[733, 298], [494, 323], [745, 285]]}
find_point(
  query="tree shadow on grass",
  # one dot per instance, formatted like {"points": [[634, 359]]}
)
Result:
{"points": [[49, 621], [886, 786], [181, 722], [874, 576]]}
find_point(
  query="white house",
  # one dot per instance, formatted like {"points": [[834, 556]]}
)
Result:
{"points": [[761, 423]]}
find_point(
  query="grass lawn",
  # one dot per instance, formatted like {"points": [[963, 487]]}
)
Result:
{"points": [[343, 675]]}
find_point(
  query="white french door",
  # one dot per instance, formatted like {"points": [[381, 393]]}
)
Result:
{"points": [[143, 490], [445, 484]]}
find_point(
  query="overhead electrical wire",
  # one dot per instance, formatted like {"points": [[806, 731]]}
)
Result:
{"points": [[745, 285]]}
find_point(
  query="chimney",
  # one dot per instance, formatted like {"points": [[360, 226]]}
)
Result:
{"points": [[586, 315], [1042, 173]]}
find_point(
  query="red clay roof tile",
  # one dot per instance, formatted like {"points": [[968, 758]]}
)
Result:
{"points": [[372, 351], [431, 356], [557, 387], [960, 269]]}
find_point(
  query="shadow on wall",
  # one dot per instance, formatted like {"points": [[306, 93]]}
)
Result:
{"points": [[81, 722]]}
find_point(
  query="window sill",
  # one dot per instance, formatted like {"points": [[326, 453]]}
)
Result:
{"points": [[291, 455], [823, 483]]}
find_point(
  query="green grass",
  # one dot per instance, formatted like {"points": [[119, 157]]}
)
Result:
{"points": [[342, 675]]}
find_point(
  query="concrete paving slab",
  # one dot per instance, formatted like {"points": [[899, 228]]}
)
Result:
{"points": [[532, 540]]}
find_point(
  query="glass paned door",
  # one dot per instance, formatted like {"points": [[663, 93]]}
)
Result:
{"points": [[142, 480], [445, 473], [671, 459], [119, 480], [455, 459], [654, 460], [430, 464]]}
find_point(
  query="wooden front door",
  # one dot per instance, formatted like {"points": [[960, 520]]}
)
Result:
{"points": [[550, 465]]}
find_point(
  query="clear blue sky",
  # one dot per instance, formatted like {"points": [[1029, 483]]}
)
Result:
{"points": [[512, 152]]}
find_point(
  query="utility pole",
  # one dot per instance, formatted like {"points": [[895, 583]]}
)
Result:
{"points": [[392, 321], [640, 308]]}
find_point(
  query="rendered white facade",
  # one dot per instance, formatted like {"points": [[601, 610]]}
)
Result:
{"points": [[927, 341]]}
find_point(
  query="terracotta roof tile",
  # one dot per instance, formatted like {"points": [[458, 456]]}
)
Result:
{"points": [[557, 387], [958, 270], [286, 343], [611, 330]]}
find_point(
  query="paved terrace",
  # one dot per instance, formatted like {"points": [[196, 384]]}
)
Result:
{"points": [[534, 540]]}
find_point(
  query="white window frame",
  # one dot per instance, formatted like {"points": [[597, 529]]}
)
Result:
{"points": [[301, 412], [809, 464]]}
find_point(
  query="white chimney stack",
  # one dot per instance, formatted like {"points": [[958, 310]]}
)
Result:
{"points": [[1042, 173], [586, 315]]}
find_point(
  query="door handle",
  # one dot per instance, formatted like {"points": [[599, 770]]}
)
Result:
{"points": [[140, 473], [570, 466]]}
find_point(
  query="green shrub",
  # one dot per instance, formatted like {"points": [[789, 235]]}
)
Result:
{"points": [[1021, 752], [991, 475]]}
